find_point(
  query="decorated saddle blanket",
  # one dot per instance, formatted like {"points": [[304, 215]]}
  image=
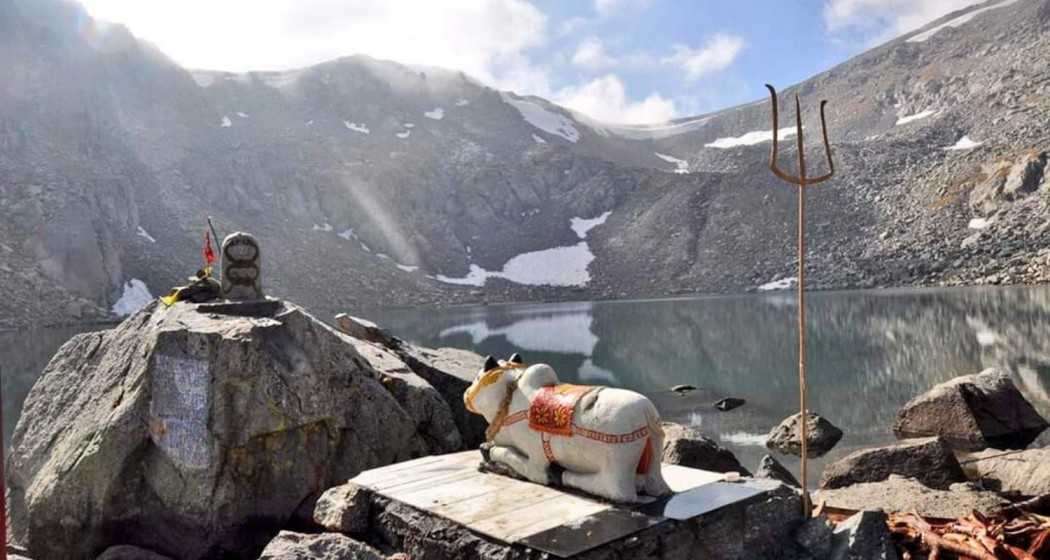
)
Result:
{"points": [[552, 408]]}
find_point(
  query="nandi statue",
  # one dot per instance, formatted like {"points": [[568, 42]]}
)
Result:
{"points": [[604, 441]]}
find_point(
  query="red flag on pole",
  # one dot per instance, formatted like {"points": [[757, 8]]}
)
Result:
{"points": [[209, 254]]}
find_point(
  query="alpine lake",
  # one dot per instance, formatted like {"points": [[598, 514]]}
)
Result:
{"points": [[869, 352]]}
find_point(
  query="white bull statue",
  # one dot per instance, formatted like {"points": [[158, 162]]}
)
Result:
{"points": [[604, 441]]}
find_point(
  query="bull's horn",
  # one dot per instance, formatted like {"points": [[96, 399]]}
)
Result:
{"points": [[490, 363], [515, 358]]}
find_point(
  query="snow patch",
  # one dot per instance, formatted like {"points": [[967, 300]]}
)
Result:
{"points": [[657, 131], [979, 223], [145, 235], [226, 122], [545, 120], [409, 125], [356, 127], [242, 115], [782, 284], [136, 296], [956, 22], [476, 277], [364, 322], [751, 138], [538, 139], [462, 103], [406, 268], [437, 114], [347, 234], [404, 134], [203, 79], [681, 166], [326, 227], [582, 225], [559, 266], [964, 143], [916, 116]]}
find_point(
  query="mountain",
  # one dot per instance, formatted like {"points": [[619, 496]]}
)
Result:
{"points": [[371, 183]]}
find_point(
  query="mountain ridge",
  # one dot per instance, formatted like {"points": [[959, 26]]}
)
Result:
{"points": [[371, 183]]}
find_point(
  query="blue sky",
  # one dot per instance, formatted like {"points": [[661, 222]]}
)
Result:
{"points": [[632, 61]]}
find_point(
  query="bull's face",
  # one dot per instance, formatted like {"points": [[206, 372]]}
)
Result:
{"points": [[486, 392]]}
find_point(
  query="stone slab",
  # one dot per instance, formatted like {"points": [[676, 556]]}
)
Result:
{"points": [[560, 522]]}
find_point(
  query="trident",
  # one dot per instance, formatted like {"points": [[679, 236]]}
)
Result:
{"points": [[802, 182]]}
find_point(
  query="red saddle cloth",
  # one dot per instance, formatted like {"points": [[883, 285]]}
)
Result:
{"points": [[551, 408]]}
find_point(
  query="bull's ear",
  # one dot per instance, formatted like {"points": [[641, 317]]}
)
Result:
{"points": [[516, 359], [490, 363]]}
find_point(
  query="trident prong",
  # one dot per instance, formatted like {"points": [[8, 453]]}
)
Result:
{"points": [[801, 181], [801, 178]]}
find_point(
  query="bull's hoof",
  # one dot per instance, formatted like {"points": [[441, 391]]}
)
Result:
{"points": [[554, 474]]}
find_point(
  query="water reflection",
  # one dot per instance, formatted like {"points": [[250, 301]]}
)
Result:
{"points": [[869, 352]]}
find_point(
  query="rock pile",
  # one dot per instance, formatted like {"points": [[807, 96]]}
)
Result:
{"points": [[194, 431]]}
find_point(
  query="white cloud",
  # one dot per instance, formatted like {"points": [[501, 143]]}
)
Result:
{"points": [[572, 25], [606, 99], [610, 7], [486, 39], [886, 19], [716, 54], [590, 53]]}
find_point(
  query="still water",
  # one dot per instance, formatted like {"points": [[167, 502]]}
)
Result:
{"points": [[869, 352]]}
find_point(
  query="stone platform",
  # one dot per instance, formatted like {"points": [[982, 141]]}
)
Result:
{"points": [[443, 507]]}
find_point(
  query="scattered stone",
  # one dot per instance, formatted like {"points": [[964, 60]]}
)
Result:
{"points": [[683, 389], [687, 446], [865, 536], [822, 436], [343, 509], [1025, 473], [128, 552], [729, 403], [195, 434], [366, 330], [815, 536], [241, 267], [770, 468], [288, 545], [928, 460], [897, 493], [972, 412]]}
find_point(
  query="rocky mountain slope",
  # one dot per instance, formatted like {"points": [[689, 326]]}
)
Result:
{"points": [[373, 183]]}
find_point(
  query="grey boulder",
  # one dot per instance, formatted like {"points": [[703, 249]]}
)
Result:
{"points": [[815, 536], [195, 434], [972, 412], [770, 468], [821, 436], [864, 536], [1025, 473], [897, 493], [343, 509], [288, 545], [928, 460], [687, 446]]}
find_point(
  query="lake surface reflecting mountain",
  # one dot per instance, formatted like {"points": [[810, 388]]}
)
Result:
{"points": [[869, 352]]}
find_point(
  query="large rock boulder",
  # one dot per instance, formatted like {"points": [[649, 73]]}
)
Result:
{"points": [[897, 493], [687, 446], [128, 552], [928, 460], [448, 370], [972, 412], [770, 468], [195, 432], [1025, 473], [821, 436], [325, 546]]}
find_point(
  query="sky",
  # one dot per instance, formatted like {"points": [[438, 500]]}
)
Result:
{"points": [[619, 61]]}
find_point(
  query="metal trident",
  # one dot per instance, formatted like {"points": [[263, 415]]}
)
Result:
{"points": [[802, 182]]}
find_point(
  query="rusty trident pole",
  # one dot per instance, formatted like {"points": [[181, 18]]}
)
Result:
{"points": [[801, 181]]}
